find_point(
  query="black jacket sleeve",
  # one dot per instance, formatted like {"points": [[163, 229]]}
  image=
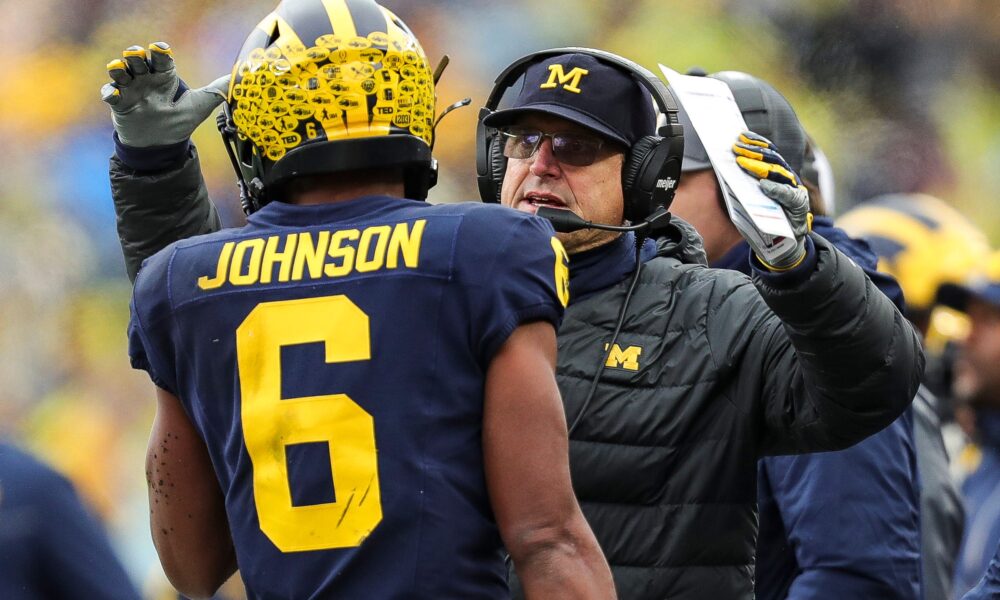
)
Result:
{"points": [[156, 209], [831, 363]]}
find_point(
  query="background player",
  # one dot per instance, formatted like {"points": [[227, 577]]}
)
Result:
{"points": [[51, 546]]}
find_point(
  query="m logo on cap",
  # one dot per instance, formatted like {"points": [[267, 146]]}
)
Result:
{"points": [[557, 74]]}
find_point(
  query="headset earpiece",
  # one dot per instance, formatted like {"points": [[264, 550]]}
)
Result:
{"points": [[491, 164], [637, 162], [489, 186], [650, 175], [498, 163]]}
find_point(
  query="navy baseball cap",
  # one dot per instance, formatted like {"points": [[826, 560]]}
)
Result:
{"points": [[582, 89], [984, 287]]}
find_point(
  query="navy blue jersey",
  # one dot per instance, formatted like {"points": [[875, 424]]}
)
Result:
{"points": [[333, 359], [51, 547]]}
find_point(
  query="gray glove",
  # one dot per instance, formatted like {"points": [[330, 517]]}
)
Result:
{"points": [[150, 105], [757, 156]]}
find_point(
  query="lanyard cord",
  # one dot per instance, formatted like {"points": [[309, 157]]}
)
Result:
{"points": [[639, 239]]}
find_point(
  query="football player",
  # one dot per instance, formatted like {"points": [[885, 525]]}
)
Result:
{"points": [[51, 546], [355, 395]]}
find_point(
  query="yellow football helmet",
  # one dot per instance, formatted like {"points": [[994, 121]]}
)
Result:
{"points": [[920, 240], [326, 86]]}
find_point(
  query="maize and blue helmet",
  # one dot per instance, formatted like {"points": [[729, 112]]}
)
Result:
{"points": [[924, 244], [920, 240], [327, 86]]}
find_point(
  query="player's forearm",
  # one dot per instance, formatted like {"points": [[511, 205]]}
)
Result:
{"points": [[564, 561], [187, 513], [192, 578], [194, 545], [192, 540]]}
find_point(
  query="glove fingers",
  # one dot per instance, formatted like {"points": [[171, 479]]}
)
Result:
{"points": [[752, 139], [111, 94], [758, 156], [767, 171], [161, 57], [754, 167], [135, 58], [781, 175], [118, 72], [762, 154]]}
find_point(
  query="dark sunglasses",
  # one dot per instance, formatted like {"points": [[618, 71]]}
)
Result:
{"points": [[568, 148]]}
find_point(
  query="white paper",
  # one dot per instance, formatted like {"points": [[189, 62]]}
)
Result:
{"points": [[718, 123]]}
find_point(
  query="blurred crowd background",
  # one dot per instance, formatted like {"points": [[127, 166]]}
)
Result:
{"points": [[902, 95]]}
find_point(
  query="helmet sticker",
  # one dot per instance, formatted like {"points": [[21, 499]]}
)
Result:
{"points": [[291, 93]]}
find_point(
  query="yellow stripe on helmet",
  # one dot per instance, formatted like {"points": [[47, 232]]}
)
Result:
{"points": [[340, 19]]}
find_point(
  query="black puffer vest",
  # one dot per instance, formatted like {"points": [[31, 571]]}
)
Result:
{"points": [[704, 381]]}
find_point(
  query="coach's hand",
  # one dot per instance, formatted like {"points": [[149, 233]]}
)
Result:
{"points": [[150, 105], [757, 156]]}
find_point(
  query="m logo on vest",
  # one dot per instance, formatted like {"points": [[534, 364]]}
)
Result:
{"points": [[627, 359], [570, 81]]}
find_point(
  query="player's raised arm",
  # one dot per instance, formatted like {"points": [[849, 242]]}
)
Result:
{"points": [[159, 193], [526, 458], [187, 513]]}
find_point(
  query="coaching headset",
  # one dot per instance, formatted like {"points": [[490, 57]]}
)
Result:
{"points": [[650, 173], [652, 167]]}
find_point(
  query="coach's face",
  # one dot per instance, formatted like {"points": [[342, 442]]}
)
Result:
{"points": [[594, 192]]}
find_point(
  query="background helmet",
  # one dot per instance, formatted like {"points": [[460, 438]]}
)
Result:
{"points": [[766, 113], [326, 86], [924, 243], [920, 240]]}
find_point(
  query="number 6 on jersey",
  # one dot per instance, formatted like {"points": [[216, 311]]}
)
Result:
{"points": [[271, 424]]}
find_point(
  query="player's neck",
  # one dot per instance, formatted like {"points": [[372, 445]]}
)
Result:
{"points": [[340, 187], [332, 194]]}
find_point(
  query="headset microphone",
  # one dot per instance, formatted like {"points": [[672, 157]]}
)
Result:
{"points": [[565, 221]]}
